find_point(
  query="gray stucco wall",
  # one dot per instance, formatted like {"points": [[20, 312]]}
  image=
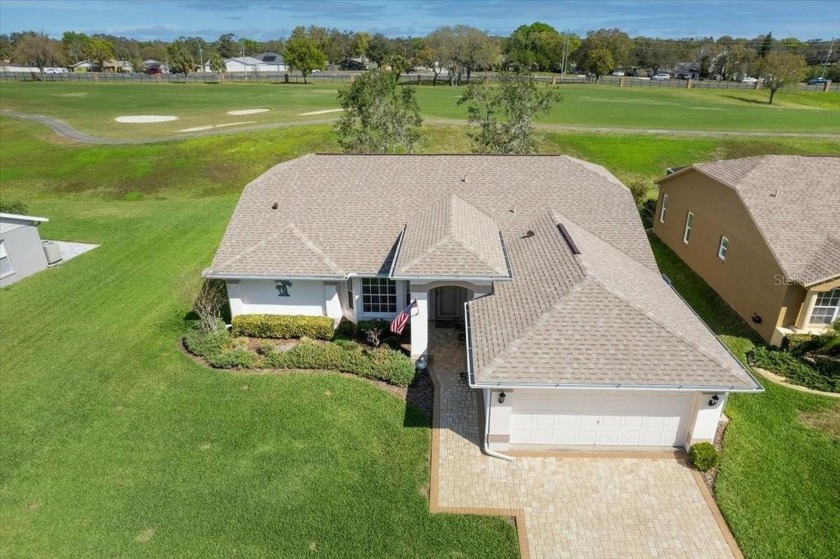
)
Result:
{"points": [[26, 256]]}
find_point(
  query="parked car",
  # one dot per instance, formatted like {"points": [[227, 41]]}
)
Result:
{"points": [[817, 81], [618, 73], [749, 79], [661, 76]]}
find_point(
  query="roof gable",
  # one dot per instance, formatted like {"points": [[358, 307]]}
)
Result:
{"points": [[452, 239]]}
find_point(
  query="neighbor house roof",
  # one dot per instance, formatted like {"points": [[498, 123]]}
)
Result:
{"points": [[9, 222], [604, 316], [795, 203]]}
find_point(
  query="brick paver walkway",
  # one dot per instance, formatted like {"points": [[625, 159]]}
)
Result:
{"points": [[580, 505]]}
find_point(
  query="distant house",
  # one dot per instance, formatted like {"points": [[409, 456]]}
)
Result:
{"points": [[265, 62], [83, 66], [353, 64], [155, 67], [118, 66], [764, 232], [21, 251]]}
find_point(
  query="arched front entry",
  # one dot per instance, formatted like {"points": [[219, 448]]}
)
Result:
{"points": [[439, 311]]}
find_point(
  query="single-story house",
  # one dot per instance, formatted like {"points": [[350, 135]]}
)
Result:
{"points": [[155, 67], [272, 62], [572, 337], [764, 232], [21, 251]]}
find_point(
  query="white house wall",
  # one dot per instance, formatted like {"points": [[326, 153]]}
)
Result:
{"points": [[24, 249], [306, 297]]}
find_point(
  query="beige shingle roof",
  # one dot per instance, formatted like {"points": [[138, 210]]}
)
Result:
{"points": [[613, 322], [795, 202], [563, 318], [451, 239]]}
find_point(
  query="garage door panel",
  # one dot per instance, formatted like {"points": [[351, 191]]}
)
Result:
{"points": [[600, 418]]}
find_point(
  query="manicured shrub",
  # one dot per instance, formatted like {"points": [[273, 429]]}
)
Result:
{"points": [[798, 344], [704, 456], [346, 330], [283, 326], [205, 344], [233, 358], [349, 357]]}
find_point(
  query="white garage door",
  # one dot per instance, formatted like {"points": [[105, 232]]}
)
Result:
{"points": [[600, 417]]}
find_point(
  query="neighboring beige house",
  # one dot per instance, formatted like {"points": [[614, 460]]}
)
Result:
{"points": [[764, 232], [540, 264]]}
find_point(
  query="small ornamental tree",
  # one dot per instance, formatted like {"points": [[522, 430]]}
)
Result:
{"points": [[217, 64], [379, 115], [504, 113], [781, 70], [303, 54]]}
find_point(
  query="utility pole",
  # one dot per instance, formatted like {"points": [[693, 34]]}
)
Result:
{"points": [[563, 60], [828, 56], [201, 57]]}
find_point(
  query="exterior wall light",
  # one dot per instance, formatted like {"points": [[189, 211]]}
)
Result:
{"points": [[756, 318], [502, 397], [421, 363], [713, 402]]}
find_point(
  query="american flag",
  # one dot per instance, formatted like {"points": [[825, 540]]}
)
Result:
{"points": [[398, 324]]}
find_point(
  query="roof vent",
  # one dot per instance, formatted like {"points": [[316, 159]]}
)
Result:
{"points": [[528, 234], [275, 205], [464, 179], [775, 193], [568, 238]]}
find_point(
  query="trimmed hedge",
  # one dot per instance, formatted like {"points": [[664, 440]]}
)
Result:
{"points": [[381, 363], [825, 378], [225, 352], [283, 326], [704, 456]]}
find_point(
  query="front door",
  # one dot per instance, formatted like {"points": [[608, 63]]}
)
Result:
{"points": [[449, 303]]}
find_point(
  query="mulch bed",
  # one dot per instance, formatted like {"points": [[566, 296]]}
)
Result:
{"points": [[710, 476]]}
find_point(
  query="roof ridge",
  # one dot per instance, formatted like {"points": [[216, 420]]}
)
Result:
{"points": [[314, 249]]}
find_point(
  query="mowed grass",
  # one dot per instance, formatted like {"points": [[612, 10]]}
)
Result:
{"points": [[92, 107], [778, 485], [114, 443]]}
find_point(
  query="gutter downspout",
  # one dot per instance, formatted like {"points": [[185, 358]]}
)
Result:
{"points": [[484, 444], [485, 400]]}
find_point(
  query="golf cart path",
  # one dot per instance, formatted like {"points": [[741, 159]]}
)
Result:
{"points": [[63, 129]]}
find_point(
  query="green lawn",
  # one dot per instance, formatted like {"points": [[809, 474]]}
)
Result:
{"points": [[92, 107], [778, 485], [113, 443]]}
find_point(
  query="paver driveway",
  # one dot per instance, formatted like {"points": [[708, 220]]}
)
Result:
{"points": [[571, 504]]}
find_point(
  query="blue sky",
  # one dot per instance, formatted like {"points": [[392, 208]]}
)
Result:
{"points": [[268, 19]]}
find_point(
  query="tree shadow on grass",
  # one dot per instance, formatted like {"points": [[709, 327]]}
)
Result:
{"points": [[746, 99]]}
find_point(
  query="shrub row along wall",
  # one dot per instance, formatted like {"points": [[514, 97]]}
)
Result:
{"points": [[283, 326]]}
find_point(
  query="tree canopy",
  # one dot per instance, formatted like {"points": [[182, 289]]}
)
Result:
{"points": [[302, 53], [503, 114], [379, 115], [781, 70]]}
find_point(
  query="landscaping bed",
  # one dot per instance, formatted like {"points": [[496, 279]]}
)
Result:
{"points": [[807, 360], [221, 350]]}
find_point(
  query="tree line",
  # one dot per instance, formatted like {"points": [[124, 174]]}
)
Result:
{"points": [[454, 51]]}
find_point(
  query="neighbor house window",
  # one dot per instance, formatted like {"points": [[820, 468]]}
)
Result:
{"points": [[379, 295], [689, 221], [5, 264], [827, 307], [723, 248], [663, 209]]}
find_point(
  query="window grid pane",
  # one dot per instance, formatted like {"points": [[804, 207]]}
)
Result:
{"points": [[379, 295]]}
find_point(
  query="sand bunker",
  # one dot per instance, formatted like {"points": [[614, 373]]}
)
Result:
{"points": [[80, 94], [321, 112], [211, 127], [248, 111], [142, 119]]}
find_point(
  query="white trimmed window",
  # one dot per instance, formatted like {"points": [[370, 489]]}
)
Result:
{"points": [[723, 247], [5, 264], [827, 307], [379, 296], [663, 208], [689, 221], [351, 297]]}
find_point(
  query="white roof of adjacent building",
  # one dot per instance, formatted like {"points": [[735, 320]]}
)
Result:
{"points": [[9, 222], [580, 301]]}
